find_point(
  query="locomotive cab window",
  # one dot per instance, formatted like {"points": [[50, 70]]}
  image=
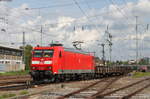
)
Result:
{"points": [[43, 53], [37, 53], [48, 53]]}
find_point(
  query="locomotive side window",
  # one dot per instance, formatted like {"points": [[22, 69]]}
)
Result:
{"points": [[37, 53], [48, 53]]}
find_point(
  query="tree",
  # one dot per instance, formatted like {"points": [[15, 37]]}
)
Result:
{"points": [[144, 61], [27, 56]]}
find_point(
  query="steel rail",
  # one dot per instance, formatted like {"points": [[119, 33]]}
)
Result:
{"points": [[5, 82], [78, 91], [125, 87], [8, 83], [42, 91], [26, 84], [103, 89], [14, 87], [17, 86], [14, 77], [135, 92]]}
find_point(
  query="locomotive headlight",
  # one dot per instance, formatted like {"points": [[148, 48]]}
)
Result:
{"points": [[35, 62], [48, 62], [33, 67]]}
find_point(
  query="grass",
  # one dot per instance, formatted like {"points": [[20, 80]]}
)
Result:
{"points": [[14, 73], [7, 95], [24, 92], [141, 74]]}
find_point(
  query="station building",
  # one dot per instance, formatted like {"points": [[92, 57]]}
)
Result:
{"points": [[10, 59]]}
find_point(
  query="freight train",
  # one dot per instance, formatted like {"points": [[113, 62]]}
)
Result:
{"points": [[57, 63]]}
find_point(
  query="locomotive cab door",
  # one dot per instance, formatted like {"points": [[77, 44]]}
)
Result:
{"points": [[61, 62]]}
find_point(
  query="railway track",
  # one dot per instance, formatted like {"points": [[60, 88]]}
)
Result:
{"points": [[87, 92], [14, 82], [135, 92], [21, 84], [14, 77], [101, 96], [15, 85], [5, 80], [108, 81], [105, 91], [42, 90], [90, 91]]}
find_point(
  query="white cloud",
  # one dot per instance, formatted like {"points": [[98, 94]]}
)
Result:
{"points": [[123, 30]]}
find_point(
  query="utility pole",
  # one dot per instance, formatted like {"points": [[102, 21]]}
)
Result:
{"points": [[109, 40], [103, 53], [147, 27], [41, 35], [23, 43], [136, 30], [110, 45]]}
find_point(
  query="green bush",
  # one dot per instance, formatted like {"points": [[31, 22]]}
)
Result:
{"points": [[24, 92]]}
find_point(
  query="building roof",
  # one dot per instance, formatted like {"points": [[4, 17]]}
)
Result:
{"points": [[11, 48]]}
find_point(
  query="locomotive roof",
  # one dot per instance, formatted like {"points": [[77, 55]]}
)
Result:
{"points": [[65, 49], [75, 50]]}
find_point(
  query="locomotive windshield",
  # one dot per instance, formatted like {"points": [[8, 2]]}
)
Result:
{"points": [[37, 53], [48, 53], [43, 53]]}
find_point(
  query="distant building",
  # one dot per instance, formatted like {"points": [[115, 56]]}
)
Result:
{"points": [[132, 62], [10, 59], [145, 60], [98, 62]]}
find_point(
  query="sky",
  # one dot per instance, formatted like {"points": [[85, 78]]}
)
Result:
{"points": [[66, 21]]}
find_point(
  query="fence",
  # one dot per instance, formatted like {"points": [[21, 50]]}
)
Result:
{"points": [[9, 67]]}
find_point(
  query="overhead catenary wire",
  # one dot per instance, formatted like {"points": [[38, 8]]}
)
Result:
{"points": [[120, 10], [83, 11], [139, 49], [37, 31], [58, 5], [79, 19], [85, 14], [58, 23], [73, 3], [110, 43]]}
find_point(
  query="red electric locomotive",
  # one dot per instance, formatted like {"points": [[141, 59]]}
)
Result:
{"points": [[58, 63]]}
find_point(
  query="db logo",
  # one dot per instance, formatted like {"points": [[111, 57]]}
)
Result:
{"points": [[42, 61]]}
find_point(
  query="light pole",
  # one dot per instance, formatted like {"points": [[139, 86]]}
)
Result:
{"points": [[136, 30]]}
